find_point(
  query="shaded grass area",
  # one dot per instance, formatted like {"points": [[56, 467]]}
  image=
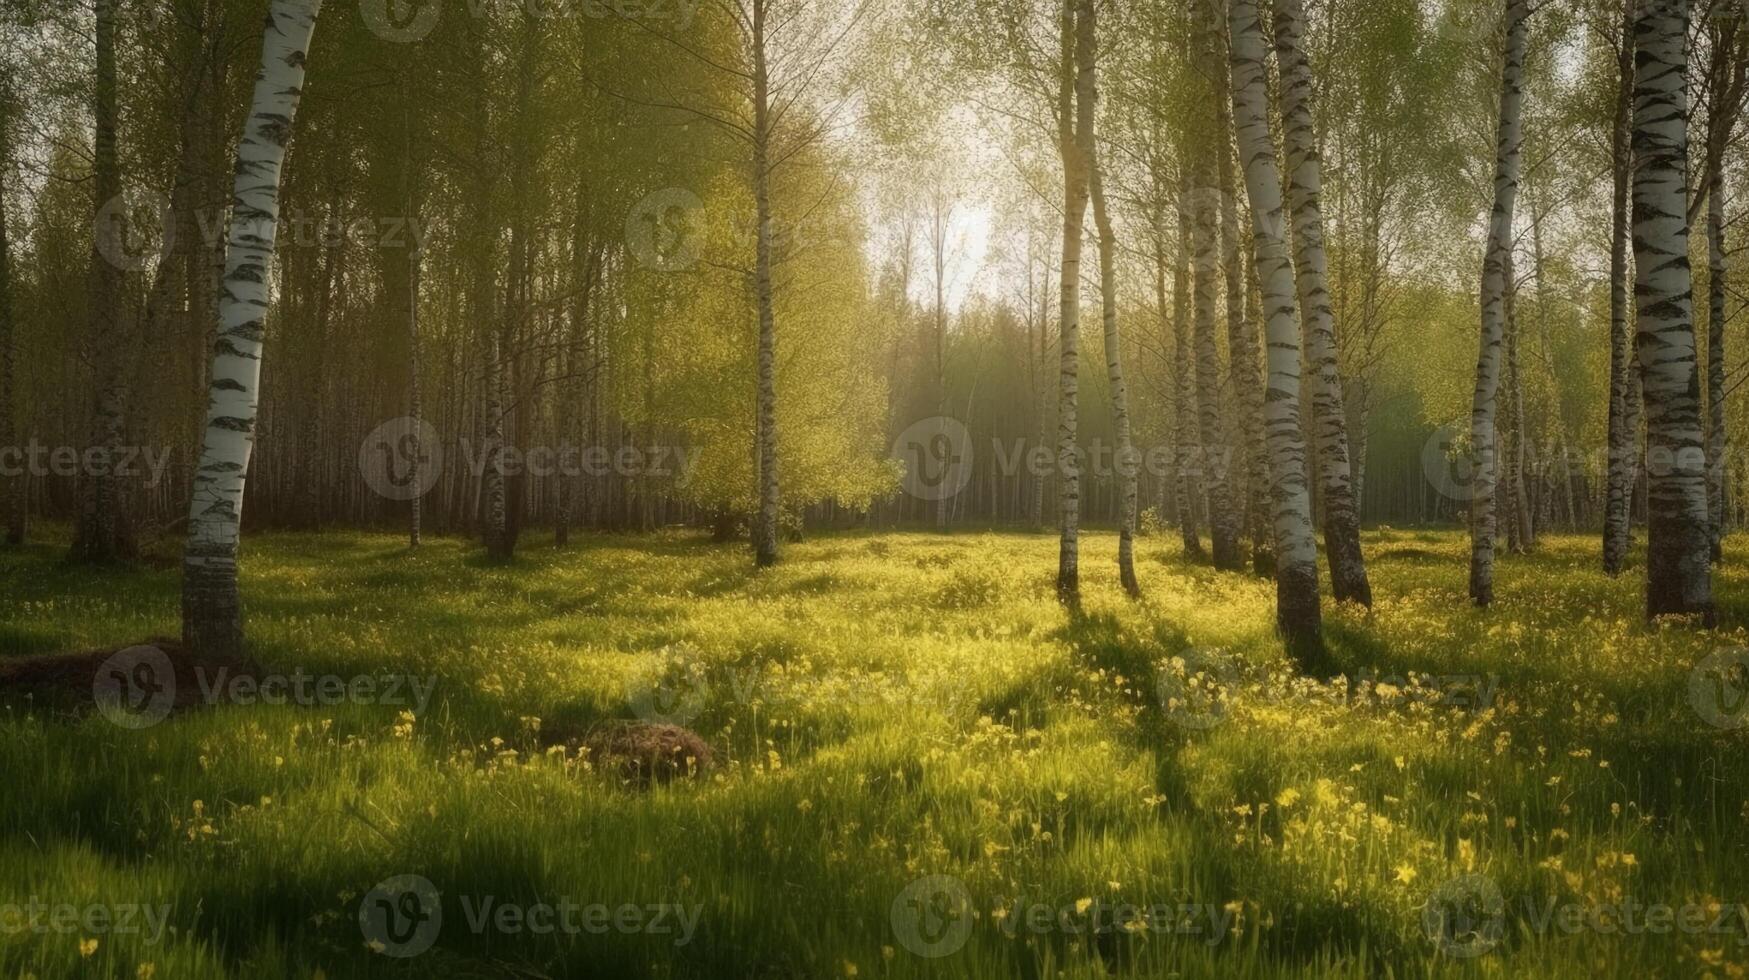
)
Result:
{"points": [[884, 709]]}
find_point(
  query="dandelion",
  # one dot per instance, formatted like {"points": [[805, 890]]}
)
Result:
{"points": [[87, 947]]}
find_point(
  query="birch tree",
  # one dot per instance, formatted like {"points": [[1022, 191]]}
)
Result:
{"points": [[1128, 466], [12, 488], [1348, 578], [1298, 615], [1678, 568], [1205, 229], [1484, 406], [1728, 82], [1190, 461], [1075, 100], [212, 621], [1623, 379], [102, 534]]}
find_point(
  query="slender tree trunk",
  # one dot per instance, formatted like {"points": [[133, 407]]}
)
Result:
{"points": [[1223, 509], [1623, 434], [1484, 519], [1715, 373], [1256, 397], [1074, 128], [1679, 574], [1519, 511], [1298, 615], [415, 408], [765, 523], [12, 488], [212, 622], [1191, 457], [103, 534], [1128, 466], [1348, 578], [1242, 346]]}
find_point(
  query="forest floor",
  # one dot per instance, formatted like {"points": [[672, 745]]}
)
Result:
{"points": [[921, 766]]}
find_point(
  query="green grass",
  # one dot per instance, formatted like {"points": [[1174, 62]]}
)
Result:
{"points": [[882, 709]]}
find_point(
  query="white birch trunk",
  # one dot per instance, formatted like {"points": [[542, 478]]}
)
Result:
{"points": [[1348, 578], [1128, 466], [1678, 572], [1297, 609], [1484, 518], [1074, 125], [212, 622]]}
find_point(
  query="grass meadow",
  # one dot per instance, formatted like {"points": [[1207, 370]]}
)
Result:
{"points": [[920, 765]]}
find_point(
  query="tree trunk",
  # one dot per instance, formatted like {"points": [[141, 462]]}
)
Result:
{"points": [[212, 621], [1190, 459], [1678, 572], [12, 488], [1484, 519], [1715, 362], [1623, 434], [103, 534], [1217, 452], [1348, 578], [1074, 128], [765, 522], [1127, 464], [1298, 616], [1242, 324]]}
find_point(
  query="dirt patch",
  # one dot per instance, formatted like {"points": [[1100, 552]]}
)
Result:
{"points": [[134, 686], [639, 753]]}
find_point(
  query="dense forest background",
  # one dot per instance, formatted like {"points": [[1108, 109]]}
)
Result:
{"points": [[561, 191]]}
